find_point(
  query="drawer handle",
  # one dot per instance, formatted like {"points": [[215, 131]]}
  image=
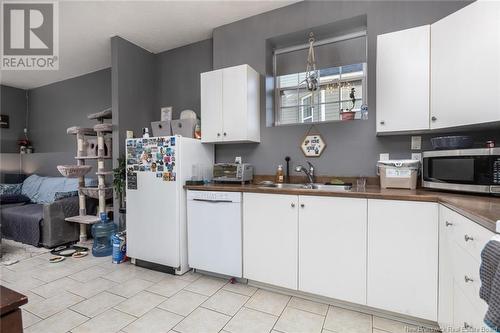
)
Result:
{"points": [[448, 224], [468, 279], [468, 238], [293, 205], [302, 205]]}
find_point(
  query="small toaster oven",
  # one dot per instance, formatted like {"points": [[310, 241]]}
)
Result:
{"points": [[233, 173]]}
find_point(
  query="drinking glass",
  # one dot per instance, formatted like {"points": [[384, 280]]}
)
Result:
{"points": [[361, 183]]}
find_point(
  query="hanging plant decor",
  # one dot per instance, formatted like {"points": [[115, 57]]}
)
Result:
{"points": [[312, 75], [313, 144]]}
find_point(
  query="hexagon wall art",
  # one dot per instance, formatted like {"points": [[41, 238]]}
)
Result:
{"points": [[313, 145]]}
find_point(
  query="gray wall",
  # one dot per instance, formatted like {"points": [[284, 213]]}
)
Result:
{"points": [[13, 104], [55, 107], [133, 91], [353, 147], [178, 72]]}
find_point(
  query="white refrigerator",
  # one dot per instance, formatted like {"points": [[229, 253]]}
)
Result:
{"points": [[157, 169]]}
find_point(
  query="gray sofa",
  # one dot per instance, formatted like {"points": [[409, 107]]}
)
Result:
{"points": [[43, 223]]}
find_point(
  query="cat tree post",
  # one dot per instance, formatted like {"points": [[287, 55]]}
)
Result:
{"points": [[81, 183]]}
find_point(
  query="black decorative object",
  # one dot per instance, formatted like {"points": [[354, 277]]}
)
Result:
{"points": [[4, 121]]}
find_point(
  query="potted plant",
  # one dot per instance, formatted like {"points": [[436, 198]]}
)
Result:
{"points": [[348, 114], [119, 187]]}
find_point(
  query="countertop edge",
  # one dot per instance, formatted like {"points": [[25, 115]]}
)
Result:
{"points": [[492, 225]]}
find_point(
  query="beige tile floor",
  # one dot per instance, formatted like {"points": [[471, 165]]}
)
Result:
{"points": [[93, 295]]}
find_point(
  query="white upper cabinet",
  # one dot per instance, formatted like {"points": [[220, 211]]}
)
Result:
{"points": [[211, 106], [465, 66], [403, 257], [403, 65], [230, 105], [332, 247]]}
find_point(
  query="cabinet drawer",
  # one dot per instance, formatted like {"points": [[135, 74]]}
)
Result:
{"points": [[466, 276], [465, 314], [466, 233]]}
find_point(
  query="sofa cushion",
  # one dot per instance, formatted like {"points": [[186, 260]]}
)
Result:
{"points": [[10, 188], [62, 195], [13, 198]]}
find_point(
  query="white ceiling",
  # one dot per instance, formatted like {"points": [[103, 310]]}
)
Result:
{"points": [[85, 28]]}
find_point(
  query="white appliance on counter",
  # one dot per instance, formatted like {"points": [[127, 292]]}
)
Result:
{"points": [[215, 232], [157, 169]]}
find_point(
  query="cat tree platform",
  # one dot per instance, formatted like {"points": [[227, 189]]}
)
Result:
{"points": [[74, 171]]}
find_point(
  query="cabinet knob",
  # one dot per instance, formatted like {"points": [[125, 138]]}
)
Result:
{"points": [[433, 118], [468, 279], [448, 224], [468, 238], [293, 205], [225, 133], [218, 134], [302, 205], [382, 122]]}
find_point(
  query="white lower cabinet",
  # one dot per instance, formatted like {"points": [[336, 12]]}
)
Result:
{"points": [[459, 258], [270, 238], [382, 253], [332, 247], [403, 257]]}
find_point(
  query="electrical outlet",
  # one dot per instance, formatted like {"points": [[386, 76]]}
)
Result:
{"points": [[416, 142], [384, 157], [416, 156]]}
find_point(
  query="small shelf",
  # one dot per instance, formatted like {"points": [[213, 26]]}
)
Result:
{"points": [[83, 219], [92, 157]]}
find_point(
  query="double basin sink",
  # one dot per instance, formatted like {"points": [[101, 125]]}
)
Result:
{"points": [[313, 187]]}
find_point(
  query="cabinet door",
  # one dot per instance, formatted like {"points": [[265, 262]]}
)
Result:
{"points": [[270, 223], [211, 106], [403, 80], [465, 59], [332, 247], [235, 103], [445, 309], [403, 257]]}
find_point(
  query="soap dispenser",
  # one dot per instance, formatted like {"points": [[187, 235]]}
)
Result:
{"points": [[279, 174]]}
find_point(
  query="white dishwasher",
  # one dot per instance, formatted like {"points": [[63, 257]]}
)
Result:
{"points": [[214, 232]]}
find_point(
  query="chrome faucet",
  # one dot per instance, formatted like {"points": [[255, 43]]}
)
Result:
{"points": [[309, 172]]}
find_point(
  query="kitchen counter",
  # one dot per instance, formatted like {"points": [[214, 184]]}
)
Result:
{"points": [[484, 210]]}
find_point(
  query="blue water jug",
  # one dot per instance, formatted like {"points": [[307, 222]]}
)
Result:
{"points": [[102, 231]]}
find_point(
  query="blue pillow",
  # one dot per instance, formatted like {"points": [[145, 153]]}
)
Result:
{"points": [[31, 185], [10, 188]]}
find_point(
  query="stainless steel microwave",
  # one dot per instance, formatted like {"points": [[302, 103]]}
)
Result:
{"points": [[467, 170]]}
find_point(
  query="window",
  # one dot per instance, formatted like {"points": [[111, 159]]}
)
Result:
{"points": [[296, 105]]}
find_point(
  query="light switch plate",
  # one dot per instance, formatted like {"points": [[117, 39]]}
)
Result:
{"points": [[416, 156], [416, 142], [384, 157]]}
